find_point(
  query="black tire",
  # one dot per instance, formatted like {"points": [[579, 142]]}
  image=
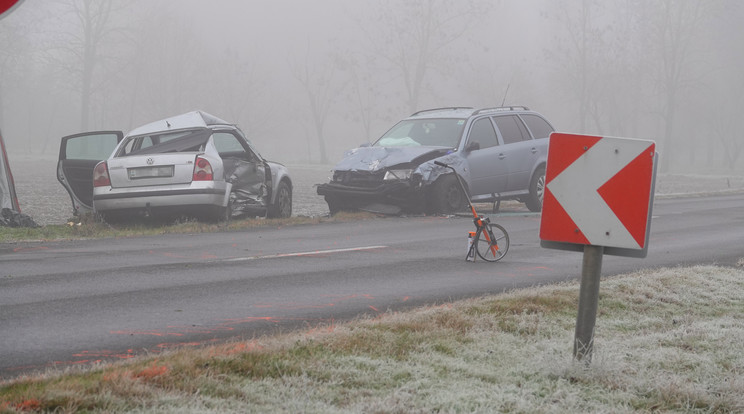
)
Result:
{"points": [[500, 243], [282, 206], [447, 195], [534, 200]]}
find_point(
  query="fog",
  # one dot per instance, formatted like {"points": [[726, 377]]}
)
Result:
{"points": [[307, 80]]}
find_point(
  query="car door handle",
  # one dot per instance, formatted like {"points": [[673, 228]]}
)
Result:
{"points": [[533, 150], [502, 156]]}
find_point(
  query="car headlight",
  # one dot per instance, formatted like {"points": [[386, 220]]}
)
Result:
{"points": [[391, 175]]}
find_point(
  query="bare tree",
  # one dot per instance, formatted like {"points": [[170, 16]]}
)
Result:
{"points": [[12, 37], [320, 88], [80, 50], [726, 126], [578, 54], [362, 92], [674, 33], [413, 37]]}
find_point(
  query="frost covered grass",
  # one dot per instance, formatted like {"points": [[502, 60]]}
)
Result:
{"points": [[669, 340]]}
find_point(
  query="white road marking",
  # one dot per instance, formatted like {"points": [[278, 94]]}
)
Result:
{"points": [[310, 253]]}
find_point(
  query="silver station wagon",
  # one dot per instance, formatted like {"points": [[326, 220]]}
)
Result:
{"points": [[192, 164], [500, 153]]}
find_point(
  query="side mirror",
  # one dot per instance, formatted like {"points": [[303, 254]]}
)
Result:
{"points": [[472, 146]]}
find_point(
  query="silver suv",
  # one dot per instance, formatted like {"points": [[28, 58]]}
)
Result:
{"points": [[500, 154]]}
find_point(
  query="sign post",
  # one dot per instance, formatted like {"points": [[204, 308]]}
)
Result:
{"points": [[598, 199]]}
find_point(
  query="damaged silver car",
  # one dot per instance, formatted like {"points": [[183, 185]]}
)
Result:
{"points": [[193, 164], [500, 153]]}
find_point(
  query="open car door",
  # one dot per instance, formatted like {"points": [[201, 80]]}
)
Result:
{"points": [[78, 155]]}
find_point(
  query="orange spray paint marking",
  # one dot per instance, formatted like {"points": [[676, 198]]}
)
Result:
{"points": [[105, 354], [29, 249], [152, 333]]}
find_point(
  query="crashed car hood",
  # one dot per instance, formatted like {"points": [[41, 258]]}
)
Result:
{"points": [[380, 158]]}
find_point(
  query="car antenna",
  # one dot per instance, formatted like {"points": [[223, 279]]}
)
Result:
{"points": [[503, 101]]}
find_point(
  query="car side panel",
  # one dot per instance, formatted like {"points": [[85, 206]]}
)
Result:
{"points": [[488, 171]]}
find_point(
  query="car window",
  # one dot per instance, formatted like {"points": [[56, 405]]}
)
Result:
{"points": [[538, 126], [91, 147], [483, 133], [509, 127], [179, 141], [427, 132], [228, 144]]}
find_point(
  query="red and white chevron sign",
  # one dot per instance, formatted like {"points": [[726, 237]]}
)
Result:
{"points": [[6, 6], [599, 191]]}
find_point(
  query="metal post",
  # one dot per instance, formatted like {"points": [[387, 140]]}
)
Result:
{"points": [[588, 300]]}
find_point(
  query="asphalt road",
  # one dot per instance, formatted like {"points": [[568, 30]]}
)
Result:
{"points": [[77, 302]]}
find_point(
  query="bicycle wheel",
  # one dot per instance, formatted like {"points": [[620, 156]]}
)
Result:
{"points": [[492, 242]]}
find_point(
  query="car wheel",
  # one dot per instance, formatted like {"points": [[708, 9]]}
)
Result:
{"points": [[537, 191], [282, 207], [448, 195]]}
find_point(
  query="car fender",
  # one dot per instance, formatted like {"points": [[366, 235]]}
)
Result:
{"points": [[430, 172], [278, 173]]}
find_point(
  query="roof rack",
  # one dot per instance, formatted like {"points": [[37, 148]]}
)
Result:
{"points": [[502, 108], [454, 108]]}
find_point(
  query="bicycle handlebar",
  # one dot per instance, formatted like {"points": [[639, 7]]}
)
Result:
{"points": [[441, 164]]}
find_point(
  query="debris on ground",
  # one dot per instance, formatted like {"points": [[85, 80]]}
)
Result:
{"points": [[12, 218]]}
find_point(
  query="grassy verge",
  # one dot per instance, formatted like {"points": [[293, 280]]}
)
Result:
{"points": [[88, 228], [669, 340]]}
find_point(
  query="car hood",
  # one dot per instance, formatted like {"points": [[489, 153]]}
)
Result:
{"points": [[380, 158]]}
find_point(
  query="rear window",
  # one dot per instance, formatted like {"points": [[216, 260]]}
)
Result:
{"points": [[178, 141], [539, 127]]}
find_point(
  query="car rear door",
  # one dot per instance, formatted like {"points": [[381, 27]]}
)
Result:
{"points": [[520, 151], [78, 155]]}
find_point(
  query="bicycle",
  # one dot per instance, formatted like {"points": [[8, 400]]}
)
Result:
{"points": [[490, 240]]}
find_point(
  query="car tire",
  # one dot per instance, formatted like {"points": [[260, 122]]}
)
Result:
{"points": [[447, 195], [282, 206], [534, 200]]}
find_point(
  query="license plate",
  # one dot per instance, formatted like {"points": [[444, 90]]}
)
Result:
{"points": [[150, 172]]}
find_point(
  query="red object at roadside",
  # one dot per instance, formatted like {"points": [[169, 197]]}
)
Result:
{"points": [[8, 196]]}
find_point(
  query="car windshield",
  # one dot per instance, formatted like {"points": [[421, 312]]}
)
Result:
{"points": [[423, 132], [177, 141]]}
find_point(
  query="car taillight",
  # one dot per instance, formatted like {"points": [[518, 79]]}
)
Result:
{"points": [[101, 175], [202, 170]]}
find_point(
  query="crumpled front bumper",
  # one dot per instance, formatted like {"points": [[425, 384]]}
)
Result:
{"points": [[399, 193]]}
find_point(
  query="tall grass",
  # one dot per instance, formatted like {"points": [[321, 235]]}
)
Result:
{"points": [[669, 340]]}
